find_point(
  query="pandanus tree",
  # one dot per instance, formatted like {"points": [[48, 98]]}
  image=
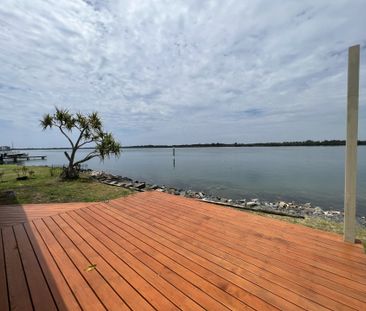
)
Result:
{"points": [[81, 131]]}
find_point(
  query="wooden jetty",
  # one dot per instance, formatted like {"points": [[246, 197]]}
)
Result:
{"points": [[18, 157], [155, 251]]}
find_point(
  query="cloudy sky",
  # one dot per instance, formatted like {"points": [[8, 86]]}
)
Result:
{"points": [[172, 72]]}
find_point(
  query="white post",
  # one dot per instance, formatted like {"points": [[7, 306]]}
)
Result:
{"points": [[351, 144]]}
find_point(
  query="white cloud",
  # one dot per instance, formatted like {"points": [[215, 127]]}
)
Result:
{"points": [[181, 71]]}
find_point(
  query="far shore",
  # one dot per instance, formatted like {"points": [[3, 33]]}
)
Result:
{"points": [[307, 143]]}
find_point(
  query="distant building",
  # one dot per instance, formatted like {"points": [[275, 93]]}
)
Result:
{"points": [[4, 148]]}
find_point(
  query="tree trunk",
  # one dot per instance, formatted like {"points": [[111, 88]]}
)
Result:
{"points": [[70, 172]]}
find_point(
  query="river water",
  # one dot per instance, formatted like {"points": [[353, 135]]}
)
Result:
{"points": [[301, 174]]}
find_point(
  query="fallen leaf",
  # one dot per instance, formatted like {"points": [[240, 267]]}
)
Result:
{"points": [[91, 267]]}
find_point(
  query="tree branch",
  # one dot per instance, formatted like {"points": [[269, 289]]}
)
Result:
{"points": [[68, 138], [80, 136], [86, 142], [67, 155], [87, 158]]}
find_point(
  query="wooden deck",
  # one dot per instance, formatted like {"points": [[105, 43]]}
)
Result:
{"points": [[158, 251], [10, 215]]}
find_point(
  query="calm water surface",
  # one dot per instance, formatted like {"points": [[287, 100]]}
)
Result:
{"points": [[302, 174]]}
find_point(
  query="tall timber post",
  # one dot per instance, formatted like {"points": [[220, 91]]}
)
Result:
{"points": [[351, 144]]}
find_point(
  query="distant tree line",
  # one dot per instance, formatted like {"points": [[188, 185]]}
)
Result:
{"points": [[333, 142], [310, 143]]}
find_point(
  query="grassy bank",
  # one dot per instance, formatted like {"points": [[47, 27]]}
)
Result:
{"points": [[43, 185]]}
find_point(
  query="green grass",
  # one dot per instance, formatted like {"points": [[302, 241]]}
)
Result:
{"points": [[44, 188]]}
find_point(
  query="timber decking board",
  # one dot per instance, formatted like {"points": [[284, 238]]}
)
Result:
{"points": [[206, 297], [157, 251], [253, 251], [116, 281], [255, 273], [151, 294], [13, 214], [223, 280], [4, 303], [18, 290], [62, 293], [127, 254], [266, 244], [249, 264], [227, 216], [41, 296]]}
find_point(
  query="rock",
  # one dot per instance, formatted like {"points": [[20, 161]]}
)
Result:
{"points": [[282, 204], [290, 207], [252, 204], [332, 213], [307, 212], [95, 174], [140, 185], [201, 195], [189, 193]]}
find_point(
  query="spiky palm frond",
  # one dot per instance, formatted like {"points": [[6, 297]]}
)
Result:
{"points": [[90, 131], [46, 121]]}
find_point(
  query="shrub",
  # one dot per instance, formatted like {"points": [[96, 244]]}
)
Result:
{"points": [[55, 170], [24, 170]]}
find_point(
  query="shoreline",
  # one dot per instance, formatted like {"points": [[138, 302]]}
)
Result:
{"points": [[280, 208], [303, 143]]}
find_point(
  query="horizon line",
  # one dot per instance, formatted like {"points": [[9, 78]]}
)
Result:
{"points": [[331, 142]]}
